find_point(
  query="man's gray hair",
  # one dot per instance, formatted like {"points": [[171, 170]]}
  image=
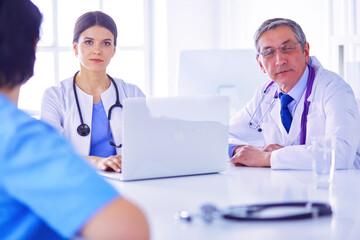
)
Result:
{"points": [[274, 23]]}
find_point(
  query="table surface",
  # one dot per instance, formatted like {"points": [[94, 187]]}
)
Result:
{"points": [[162, 198]]}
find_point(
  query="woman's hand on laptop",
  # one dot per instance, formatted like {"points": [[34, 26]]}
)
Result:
{"points": [[112, 163]]}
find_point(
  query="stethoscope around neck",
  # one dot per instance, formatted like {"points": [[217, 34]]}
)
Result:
{"points": [[83, 129], [252, 123], [309, 85]]}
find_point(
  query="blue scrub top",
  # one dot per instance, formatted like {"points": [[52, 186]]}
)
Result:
{"points": [[46, 190], [100, 145]]}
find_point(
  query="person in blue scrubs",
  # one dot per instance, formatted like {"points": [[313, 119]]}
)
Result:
{"points": [[47, 191], [87, 107]]}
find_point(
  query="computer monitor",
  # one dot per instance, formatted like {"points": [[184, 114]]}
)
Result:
{"points": [[234, 73]]}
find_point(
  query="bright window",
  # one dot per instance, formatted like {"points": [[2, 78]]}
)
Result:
{"points": [[56, 61]]}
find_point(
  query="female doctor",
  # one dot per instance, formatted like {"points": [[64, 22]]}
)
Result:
{"points": [[322, 104], [87, 108]]}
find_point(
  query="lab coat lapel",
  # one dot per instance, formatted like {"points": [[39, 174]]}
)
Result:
{"points": [[82, 143], [295, 129], [276, 118], [294, 133]]}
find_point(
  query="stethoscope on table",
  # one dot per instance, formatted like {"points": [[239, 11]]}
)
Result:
{"points": [[83, 129], [260, 212], [309, 84]]}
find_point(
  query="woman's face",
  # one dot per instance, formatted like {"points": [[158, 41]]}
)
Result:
{"points": [[95, 48]]}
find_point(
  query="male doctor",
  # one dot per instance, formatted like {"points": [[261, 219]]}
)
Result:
{"points": [[303, 100]]}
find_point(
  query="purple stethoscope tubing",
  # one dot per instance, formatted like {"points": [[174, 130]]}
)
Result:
{"points": [[309, 86]]}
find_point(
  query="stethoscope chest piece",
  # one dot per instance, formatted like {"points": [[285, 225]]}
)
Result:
{"points": [[83, 129]]}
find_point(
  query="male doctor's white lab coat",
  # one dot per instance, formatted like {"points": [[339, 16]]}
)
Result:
{"points": [[333, 112]]}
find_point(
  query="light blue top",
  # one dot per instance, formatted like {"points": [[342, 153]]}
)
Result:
{"points": [[100, 145], [46, 190], [297, 91]]}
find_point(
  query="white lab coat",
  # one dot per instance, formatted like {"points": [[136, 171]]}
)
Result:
{"points": [[59, 109], [333, 112]]}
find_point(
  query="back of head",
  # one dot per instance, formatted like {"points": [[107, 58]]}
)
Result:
{"points": [[274, 23], [96, 18], [20, 22]]}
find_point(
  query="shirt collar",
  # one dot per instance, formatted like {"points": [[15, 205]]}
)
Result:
{"points": [[298, 90]]}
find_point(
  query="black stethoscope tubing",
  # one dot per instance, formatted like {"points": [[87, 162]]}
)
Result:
{"points": [[315, 210], [83, 129], [209, 212]]}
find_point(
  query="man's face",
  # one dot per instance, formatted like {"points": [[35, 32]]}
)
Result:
{"points": [[284, 68]]}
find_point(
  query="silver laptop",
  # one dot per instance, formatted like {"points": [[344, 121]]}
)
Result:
{"points": [[176, 136]]}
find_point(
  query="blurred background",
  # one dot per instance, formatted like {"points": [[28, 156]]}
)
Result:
{"points": [[152, 34]]}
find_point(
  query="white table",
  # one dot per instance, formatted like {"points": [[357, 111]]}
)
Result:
{"points": [[161, 199]]}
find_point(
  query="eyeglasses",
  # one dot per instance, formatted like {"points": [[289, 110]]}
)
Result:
{"points": [[284, 48]]}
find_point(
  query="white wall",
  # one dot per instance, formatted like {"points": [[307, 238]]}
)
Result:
{"points": [[345, 40], [190, 24], [244, 17], [215, 24]]}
